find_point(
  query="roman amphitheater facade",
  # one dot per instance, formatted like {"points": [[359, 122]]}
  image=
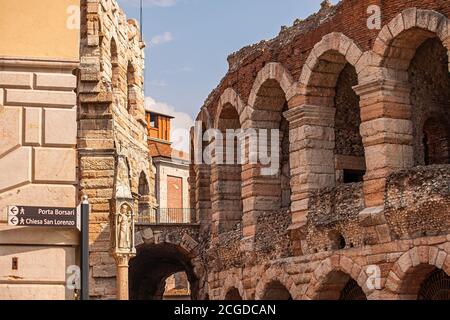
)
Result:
{"points": [[360, 207]]}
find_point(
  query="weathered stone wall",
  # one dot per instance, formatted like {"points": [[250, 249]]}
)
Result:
{"points": [[333, 219], [418, 202], [112, 128]]}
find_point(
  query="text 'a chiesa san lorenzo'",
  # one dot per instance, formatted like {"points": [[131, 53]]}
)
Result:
{"points": [[359, 208]]}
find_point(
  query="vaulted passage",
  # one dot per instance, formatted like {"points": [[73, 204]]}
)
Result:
{"points": [[430, 99], [233, 295], [151, 268], [340, 286], [425, 282], [435, 287], [276, 291]]}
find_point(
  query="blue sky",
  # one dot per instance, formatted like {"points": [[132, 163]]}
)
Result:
{"points": [[188, 42]]}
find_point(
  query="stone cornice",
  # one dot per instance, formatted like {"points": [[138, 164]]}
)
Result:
{"points": [[309, 111], [381, 85], [19, 62]]}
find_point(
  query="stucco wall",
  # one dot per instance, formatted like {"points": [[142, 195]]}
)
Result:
{"points": [[40, 29]]}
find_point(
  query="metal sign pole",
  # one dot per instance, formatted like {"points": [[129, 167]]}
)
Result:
{"points": [[85, 249]]}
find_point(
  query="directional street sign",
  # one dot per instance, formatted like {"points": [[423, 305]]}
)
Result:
{"points": [[42, 217]]}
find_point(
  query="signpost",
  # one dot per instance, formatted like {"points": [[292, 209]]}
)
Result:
{"points": [[53, 217]]}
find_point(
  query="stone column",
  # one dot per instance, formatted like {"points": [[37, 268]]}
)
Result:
{"points": [[387, 133], [261, 192], [312, 142], [202, 193], [122, 276]]}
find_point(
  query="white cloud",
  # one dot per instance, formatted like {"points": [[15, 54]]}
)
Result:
{"points": [[158, 83], [160, 3], [181, 124], [161, 38]]}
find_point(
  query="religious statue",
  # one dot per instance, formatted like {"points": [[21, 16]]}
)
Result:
{"points": [[125, 224]]}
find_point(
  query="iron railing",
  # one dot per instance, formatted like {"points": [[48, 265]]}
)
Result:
{"points": [[166, 216]]}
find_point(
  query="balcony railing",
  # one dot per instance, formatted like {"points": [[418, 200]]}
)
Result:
{"points": [[166, 216]]}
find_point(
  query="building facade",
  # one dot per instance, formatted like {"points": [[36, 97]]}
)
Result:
{"points": [[359, 209], [115, 168], [39, 52], [171, 168]]}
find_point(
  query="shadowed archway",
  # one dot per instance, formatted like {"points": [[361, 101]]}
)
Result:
{"points": [[233, 295], [275, 290], [152, 266]]}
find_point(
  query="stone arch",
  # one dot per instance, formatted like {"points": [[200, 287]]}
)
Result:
{"points": [[229, 97], [398, 41], [268, 99], [413, 267], [226, 174], [232, 282], [161, 253], [343, 269], [155, 263], [326, 86], [400, 58], [205, 117], [276, 275], [272, 71], [336, 48]]}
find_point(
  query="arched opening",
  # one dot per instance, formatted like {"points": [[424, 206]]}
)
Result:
{"points": [[269, 106], [144, 195], [276, 291], [115, 68], [340, 286], [435, 287], [425, 282], [177, 287], [226, 173], [151, 268], [430, 99], [349, 148], [131, 82], [329, 92], [352, 291], [233, 295]]}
